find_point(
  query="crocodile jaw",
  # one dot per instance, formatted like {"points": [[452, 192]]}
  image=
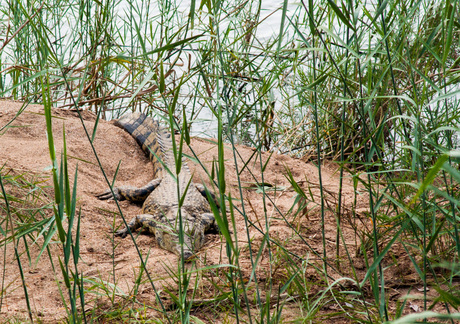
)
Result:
{"points": [[193, 233]]}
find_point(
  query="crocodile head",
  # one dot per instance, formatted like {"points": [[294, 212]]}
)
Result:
{"points": [[193, 232]]}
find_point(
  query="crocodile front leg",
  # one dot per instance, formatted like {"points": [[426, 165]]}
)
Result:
{"points": [[144, 220], [130, 193]]}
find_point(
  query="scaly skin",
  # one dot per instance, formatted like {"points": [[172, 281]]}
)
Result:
{"points": [[160, 211]]}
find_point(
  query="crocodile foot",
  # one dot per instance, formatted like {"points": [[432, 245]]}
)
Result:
{"points": [[122, 233], [107, 195]]}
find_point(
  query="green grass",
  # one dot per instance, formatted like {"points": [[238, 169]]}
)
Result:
{"points": [[372, 87]]}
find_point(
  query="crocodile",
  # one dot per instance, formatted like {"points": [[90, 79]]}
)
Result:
{"points": [[161, 214]]}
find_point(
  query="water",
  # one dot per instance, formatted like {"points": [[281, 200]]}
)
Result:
{"points": [[66, 26], [205, 124]]}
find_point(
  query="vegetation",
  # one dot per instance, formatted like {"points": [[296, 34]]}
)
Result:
{"points": [[371, 86]]}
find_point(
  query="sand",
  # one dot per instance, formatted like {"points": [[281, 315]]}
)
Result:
{"points": [[24, 150]]}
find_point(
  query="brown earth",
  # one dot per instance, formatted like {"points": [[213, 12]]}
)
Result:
{"points": [[104, 258]]}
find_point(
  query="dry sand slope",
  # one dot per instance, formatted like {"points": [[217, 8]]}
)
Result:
{"points": [[24, 148]]}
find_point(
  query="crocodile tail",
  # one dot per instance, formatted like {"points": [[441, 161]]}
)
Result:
{"points": [[153, 138]]}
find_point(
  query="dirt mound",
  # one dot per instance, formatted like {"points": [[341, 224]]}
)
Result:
{"points": [[24, 148]]}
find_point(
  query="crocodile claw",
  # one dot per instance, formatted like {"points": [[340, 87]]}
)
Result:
{"points": [[107, 195], [122, 233]]}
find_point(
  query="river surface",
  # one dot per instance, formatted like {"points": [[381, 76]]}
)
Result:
{"points": [[270, 18]]}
